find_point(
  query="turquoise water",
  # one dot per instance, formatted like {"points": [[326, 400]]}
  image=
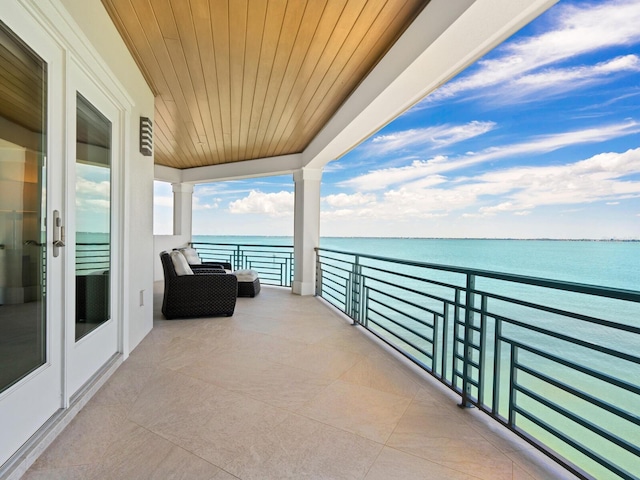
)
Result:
{"points": [[609, 264]]}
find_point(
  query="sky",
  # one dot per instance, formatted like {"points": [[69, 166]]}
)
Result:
{"points": [[540, 138]]}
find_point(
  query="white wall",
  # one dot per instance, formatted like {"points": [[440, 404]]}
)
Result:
{"points": [[97, 26]]}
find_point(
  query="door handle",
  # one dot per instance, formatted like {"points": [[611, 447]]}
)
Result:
{"points": [[33, 242], [58, 233]]}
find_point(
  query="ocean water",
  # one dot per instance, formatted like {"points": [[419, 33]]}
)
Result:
{"points": [[604, 263], [613, 264]]}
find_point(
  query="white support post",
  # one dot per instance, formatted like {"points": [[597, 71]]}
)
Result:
{"points": [[182, 208], [306, 228]]}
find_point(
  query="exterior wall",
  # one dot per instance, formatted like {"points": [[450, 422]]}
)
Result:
{"points": [[138, 261]]}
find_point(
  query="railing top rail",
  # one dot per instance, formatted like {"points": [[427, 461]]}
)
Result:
{"points": [[618, 293]]}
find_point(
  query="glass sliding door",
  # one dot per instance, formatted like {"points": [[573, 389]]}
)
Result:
{"points": [[92, 334], [93, 217], [31, 290], [23, 253]]}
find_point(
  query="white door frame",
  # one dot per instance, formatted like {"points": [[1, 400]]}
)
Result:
{"points": [[27, 405], [85, 357]]}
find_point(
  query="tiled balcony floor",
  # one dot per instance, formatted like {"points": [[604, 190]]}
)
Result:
{"points": [[285, 388]]}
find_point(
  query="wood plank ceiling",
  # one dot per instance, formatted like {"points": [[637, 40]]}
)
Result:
{"points": [[244, 79]]}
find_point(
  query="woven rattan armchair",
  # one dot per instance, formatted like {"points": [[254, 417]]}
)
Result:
{"points": [[207, 293]]}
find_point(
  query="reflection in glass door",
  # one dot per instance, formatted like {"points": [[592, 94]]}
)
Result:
{"points": [[93, 218], [22, 205]]}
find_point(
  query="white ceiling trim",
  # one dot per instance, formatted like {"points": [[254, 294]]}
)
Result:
{"points": [[261, 167]]}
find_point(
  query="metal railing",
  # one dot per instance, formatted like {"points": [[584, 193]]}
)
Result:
{"points": [[555, 362], [274, 263], [91, 257]]}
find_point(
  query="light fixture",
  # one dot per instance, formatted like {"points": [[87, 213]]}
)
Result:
{"points": [[146, 136]]}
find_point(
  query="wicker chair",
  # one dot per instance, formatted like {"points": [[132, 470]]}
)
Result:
{"points": [[207, 293]]}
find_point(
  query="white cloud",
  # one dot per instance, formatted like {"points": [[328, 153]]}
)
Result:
{"points": [[577, 30], [434, 137], [200, 203], [426, 173], [599, 178], [554, 81], [517, 190], [344, 200], [272, 204]]}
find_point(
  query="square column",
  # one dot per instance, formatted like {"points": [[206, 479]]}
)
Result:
{"points": [[182, 208], [306, 229]]}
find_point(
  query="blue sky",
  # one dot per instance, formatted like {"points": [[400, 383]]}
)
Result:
{"points": [[538, 139]]}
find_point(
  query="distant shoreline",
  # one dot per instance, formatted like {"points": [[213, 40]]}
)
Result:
{"points": [[632, 240]]}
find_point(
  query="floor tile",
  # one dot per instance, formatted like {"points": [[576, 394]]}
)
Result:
{"points": [[214, 423], [325, 360], [85, 439], [302, 449], [449, 441], [141, 454], [370, 413], [393, 464], [383, 373]]}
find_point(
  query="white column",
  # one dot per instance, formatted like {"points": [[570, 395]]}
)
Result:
{"points": [[182, 208], [306, 228]]}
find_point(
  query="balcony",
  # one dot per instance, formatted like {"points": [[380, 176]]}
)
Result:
{"points": [[286, 388]]}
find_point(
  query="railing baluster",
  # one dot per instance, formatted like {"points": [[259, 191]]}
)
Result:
{"points": [[468, 350], [513, 372], [483, 349], [434, 344], [364, 303], [445, 341], [355, 288], [497, 371]]}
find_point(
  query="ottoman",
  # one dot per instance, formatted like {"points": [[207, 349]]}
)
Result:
{"points": [[248, 283]]}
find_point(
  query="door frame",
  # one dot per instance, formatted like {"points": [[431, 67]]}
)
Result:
{"points": [[28, 404], [77, 376]]}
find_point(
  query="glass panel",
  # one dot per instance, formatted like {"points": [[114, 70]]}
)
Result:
{"points": [[93, 218], [22, 203]]}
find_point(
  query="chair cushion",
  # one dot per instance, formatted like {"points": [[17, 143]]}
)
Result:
{"points": [[180, 263], [191, 254], [245, 275]]}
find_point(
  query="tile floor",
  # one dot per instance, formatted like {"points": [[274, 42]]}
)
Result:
{"points": [[284, 389]]}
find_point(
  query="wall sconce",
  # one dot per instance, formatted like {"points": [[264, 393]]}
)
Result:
{"points": [[146, 136]]}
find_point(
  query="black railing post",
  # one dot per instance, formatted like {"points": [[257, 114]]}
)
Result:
{"points": [[445, 340], [356, 274], [497, 371], [468, 349], [483, 348], [513, 380], [456, 328], [364, 316], [318, 274]]}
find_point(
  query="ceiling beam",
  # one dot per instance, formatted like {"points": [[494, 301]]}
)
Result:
{"points": [[261, 167]]}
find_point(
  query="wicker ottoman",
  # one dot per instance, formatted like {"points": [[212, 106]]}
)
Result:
{"points": [[248, 283]]}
